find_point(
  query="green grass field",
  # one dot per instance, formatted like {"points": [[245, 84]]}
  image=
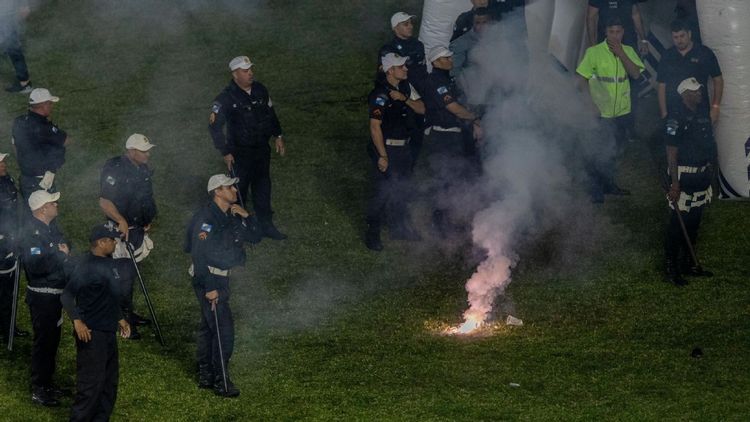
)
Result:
{"points": [[325, 329]]}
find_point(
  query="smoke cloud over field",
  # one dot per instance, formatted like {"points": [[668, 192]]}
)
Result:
{"points": [[540, 137]]}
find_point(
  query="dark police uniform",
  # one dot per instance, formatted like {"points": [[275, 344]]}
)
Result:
{"points": [[10, 42], [444, 140], [621, 9], [700, 62], [40, 148], [45, 267], [92, 296], [250, 121], [390, 188], [416, 67], [692, 134], [215, 242], [8, 249], [130, 188]]}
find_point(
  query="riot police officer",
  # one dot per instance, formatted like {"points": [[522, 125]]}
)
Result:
{"points": [[392, 105], [127, 199], [690, 149], [449, 159], [245, 108], [45, 255], [39, 144], [8, 247], [215, 239]]}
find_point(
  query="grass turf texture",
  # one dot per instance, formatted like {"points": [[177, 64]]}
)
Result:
{"points": [[326, 329]]}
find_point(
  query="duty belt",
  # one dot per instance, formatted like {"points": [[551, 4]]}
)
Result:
{"points": [[445, 129], [397, 142], [10, 270], [212, 270], [45, 290]]}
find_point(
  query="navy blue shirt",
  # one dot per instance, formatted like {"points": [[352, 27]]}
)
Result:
{"points": [[700, 63], [39, 144], [692, 134], [396, 116], [440, 91], [413, 50], [129, 186], [93, 293], [44, 263]]}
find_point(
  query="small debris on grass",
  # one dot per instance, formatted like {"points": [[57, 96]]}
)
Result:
{"points": [[511, 320], [514, 384]]}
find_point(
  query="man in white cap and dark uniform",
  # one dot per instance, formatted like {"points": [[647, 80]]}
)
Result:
{"points": [[44, 254], [127, 199], [39, 144], [244, 108], [215, 240]]}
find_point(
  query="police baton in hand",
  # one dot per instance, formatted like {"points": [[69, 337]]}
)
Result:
{"points": [[685, 234], [14, 308], [221, 350], [236, 185], [145, 292]]}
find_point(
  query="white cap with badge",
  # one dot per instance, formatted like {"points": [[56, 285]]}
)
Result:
{"points": [[240, 62], [392, 60], [41, 95], [41, 197], [139, 142], [689, 84], [399, 17], [218, 180], [438, 52]]}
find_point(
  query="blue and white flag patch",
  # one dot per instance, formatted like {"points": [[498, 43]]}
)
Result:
{"points": [[35, 251], [205, 227], [380, 101], [442, 90]]}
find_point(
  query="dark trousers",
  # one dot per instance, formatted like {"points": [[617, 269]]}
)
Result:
{"points": [[97, 375], [207, 351], [46, 313], [127, 280], [6, 302], [390, 190], [676, 247], [12, 47], [253, 167], [602, 168], [449, 169]]}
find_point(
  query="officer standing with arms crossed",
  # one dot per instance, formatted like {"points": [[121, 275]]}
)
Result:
{"points": [[127, 199], [39, 144], [447, 120], [215, 241], [691, 148], [392, 105], [246, 109], [8, 248], [45, 254], [92, 301]]}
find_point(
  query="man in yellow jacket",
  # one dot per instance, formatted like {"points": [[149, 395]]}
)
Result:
{"points": [[607, 68]]}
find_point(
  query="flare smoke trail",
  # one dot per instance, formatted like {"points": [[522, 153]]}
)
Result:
{"points": [[540, 137]]}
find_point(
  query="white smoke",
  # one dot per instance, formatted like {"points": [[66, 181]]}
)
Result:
{"points": [[540, 136]]}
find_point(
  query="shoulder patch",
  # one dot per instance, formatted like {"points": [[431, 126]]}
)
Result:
{"points": [[442, 90], [54, 129], [115, 273], [380, 101], [205, 227], [215, 108], [35, 251], [671, 127], [110, 180]]}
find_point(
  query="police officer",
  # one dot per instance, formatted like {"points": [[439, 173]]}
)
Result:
{"points": [[465, 21], [405, 44], [447, 120], [215, 240], [8, 248], [392, 104], [127, 199], [91, 300], [45, 255], [39, 144], [246, 110], [690, 150]]}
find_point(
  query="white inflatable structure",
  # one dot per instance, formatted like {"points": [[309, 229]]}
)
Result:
{"points": [[725, 28], [438, 17]]}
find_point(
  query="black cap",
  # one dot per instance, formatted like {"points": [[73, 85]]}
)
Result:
{"points": [[100, 231]]}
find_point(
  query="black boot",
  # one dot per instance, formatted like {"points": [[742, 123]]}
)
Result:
{"points": [[673, 274], [39, 395], [270, 231], [220, 390], [205, 376], [138, 320], [372, 237]]}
